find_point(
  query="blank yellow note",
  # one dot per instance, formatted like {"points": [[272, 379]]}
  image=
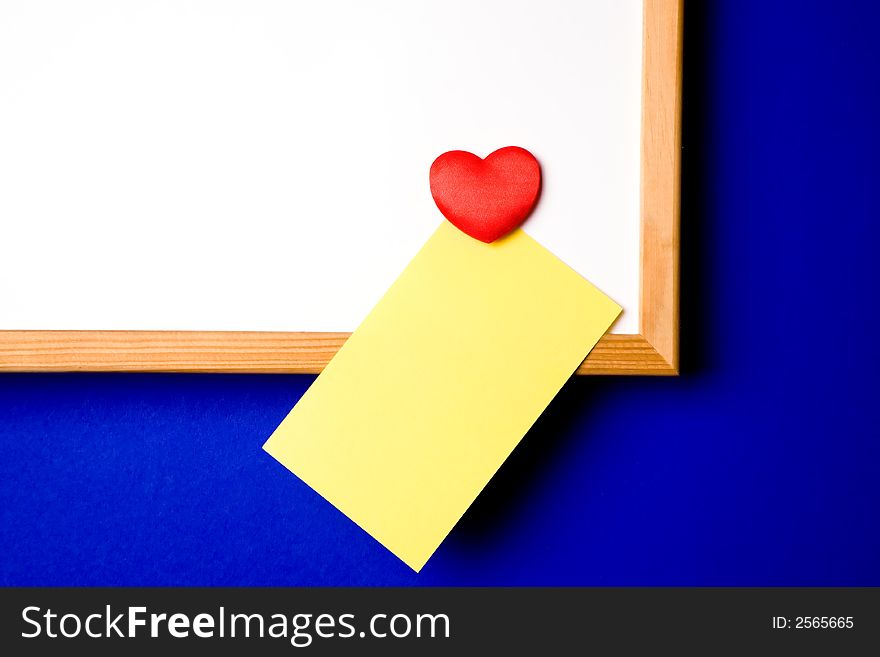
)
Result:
{"points": [[432, 392]]}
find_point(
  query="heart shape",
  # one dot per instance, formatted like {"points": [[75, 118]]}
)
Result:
{"points": [[486, 198]]}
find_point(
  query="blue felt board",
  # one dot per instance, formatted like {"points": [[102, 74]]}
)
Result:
{"points": [[759, 465]]}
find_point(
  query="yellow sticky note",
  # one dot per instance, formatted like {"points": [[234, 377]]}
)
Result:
{"points": [[444, 377]]}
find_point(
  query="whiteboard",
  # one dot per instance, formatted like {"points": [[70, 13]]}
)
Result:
{"points": [[263, 165]]}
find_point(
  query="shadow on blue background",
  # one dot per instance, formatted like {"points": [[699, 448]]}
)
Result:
{"points": [[759, 465]]}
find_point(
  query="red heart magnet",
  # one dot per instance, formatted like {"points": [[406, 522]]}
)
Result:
{"points": [[486, 198]]}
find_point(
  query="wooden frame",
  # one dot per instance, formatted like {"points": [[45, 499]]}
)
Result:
{"points": [[653, 351]]}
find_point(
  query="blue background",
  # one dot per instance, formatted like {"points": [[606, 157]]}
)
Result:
{"points": [[759, 465]]}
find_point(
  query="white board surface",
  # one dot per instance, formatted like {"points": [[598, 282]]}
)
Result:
{"points": [[263, 165]]}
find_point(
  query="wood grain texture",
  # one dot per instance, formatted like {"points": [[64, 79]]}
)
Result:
{"points": [[653, 352], [661, 175], [167, 351], [243, 352]]}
